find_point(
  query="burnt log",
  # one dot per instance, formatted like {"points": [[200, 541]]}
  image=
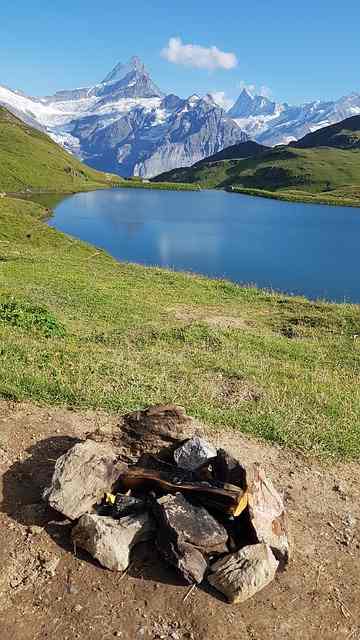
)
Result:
{"points": [[222, 497], [227, 469]]}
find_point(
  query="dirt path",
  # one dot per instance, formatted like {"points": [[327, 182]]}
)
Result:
{"points": [[47, 592]]}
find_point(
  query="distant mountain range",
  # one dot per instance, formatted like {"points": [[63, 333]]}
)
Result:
{"points": [[272, 123], [127, 125]]}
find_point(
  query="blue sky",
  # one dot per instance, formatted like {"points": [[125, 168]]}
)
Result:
{"points": [[298, 50]]}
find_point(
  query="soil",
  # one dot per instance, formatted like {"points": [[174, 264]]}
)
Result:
{"points": [[47, 592]]}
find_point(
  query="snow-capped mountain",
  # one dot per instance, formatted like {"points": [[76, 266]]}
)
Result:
{"points": [[145, 142], [126, 124], [248, 105], [271, 123]]}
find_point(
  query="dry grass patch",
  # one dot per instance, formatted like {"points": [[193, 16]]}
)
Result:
{"points": [[209, 316]]}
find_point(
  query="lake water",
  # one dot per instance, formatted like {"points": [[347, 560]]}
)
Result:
{"points": [[295, 248]]}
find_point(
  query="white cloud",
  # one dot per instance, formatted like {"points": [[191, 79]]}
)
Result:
{"points": [[193, 55], [222, 99]]}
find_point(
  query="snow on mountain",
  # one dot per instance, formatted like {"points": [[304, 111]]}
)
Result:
{"points": [[248, 105], [126, 124], [272, 123], [146, 141]]}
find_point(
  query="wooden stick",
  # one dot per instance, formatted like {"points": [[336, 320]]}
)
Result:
{"points": [[192, 588]]}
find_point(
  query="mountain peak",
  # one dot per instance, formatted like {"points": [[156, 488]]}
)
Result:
{"points": [[246, 93], [121, 70], [248, 105], [136, 63]]}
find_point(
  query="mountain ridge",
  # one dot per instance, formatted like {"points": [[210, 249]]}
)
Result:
{"points": [[128, 125], [272, 123]]}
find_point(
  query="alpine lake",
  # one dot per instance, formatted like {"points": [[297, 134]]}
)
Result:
{"points": [[302, 249]]}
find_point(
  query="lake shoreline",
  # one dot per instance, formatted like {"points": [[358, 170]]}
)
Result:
{"points": [[288, 247], [117, 336], [305, 198], [293, 197]]}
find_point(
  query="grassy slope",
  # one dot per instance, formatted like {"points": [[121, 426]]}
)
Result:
{"points": [[344, 134], [311, 170], [29, 159], [136, 336], [322, 167], [235, 151]]}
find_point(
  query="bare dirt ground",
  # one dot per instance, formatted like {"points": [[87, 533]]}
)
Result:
{"points": [[47, 592]]}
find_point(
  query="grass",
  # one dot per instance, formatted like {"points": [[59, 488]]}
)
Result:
{"points": [[161, 186], [79, 329], [341, 197], [31, 161]]}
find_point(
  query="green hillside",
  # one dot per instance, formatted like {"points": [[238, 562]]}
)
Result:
{"points": [[30, 160], [79, 329], [312, 170], [235, 152], [342, 135], [306, 167]]}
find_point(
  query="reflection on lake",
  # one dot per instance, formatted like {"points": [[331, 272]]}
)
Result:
{"points": [[297, 248]]}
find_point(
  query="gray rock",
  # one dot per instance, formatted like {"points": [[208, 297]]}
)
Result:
{"points": [[267, 512], [240, 575], [186, 534], [110, 541], [189, 561], [194, 453], [82, 476], [191, 524]]}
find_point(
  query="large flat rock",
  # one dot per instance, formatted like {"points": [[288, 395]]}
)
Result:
{"points": [[240, 575], [157, 429], [82, 476], [110, 541], [187, 535]]}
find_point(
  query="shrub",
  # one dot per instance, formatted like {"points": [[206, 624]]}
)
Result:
{"points": [[28, 317]]}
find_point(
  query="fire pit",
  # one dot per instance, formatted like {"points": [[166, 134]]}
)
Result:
{"points": [[157, 479]]}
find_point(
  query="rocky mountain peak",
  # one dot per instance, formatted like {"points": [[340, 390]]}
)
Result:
{"points": [[251, 105], [120, 71]]}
